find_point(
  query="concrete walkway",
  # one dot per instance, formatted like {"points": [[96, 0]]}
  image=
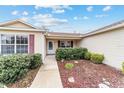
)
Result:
{"points": [[48, 75]]}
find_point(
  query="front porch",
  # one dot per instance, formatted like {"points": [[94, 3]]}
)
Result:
{"points": [[61, 40]]}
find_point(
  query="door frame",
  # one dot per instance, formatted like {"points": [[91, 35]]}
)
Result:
{"points": [[50, 51]]}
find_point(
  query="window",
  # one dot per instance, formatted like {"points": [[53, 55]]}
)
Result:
{"points": [[66, 44], [21, 44], [7, 44], [11, 44]]}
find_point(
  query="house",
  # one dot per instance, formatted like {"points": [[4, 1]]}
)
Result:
{"points": [[18, 36]]}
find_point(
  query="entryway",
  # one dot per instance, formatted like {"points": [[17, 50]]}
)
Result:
{"points": [[50, 47], [53, 44]]}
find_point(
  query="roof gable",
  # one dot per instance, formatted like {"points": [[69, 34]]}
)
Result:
{"points": [[17, 24]]}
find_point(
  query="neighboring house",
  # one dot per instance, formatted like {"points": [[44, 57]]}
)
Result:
{"points": [[18, 36]]}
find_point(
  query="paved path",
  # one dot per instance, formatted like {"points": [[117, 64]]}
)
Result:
{"points": [[48, 75]]}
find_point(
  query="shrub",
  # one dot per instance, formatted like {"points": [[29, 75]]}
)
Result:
{"points": [[70, 53], [123, 67], [14, 67], [69, 65], [60, 54], [97, 58], [78, 53], [36, 61], [2, 85], [87, 55]]}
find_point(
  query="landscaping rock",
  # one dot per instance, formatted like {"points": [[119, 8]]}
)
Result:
{"points": [[103, 86], [62, 60], [105, 81], [76, 62], [71, 79]]}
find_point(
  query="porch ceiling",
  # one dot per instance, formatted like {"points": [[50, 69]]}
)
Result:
{"points": [[63, 36]]}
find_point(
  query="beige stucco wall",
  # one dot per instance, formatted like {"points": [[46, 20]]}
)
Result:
{"points": [[39, 40], [111, 44], [78, 43], [43, 46]]}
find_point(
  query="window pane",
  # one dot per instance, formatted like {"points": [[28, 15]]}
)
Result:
{"points": [[22, 39], [7, 49], [68, 44], [62, 43], [7, 39], [22, 48], [50, 45]]}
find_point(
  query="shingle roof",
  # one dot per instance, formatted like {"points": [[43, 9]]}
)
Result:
{"points": [[106, 28]]}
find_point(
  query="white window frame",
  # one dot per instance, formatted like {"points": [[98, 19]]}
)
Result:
{"points": [[14, 42]]}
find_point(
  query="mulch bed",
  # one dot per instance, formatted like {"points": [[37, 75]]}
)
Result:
{"points": [[26, 81], [89, 75]]}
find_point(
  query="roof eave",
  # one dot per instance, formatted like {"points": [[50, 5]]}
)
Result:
{"points": [[21, 29]]}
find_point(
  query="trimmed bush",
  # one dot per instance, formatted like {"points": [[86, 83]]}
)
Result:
{"points": [[36, 61], [87, 55], [78, 53], [97, 58], [60, 54], [70, 53], [14, 67], [69, 65]]}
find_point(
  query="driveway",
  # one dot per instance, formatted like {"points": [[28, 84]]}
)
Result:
{"points": [[48, 75]]}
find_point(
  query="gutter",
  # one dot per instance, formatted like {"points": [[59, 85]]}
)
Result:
{"points": [[21, 29]]}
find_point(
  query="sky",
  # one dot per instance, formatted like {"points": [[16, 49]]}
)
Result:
{"points": [[65, 18]]}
